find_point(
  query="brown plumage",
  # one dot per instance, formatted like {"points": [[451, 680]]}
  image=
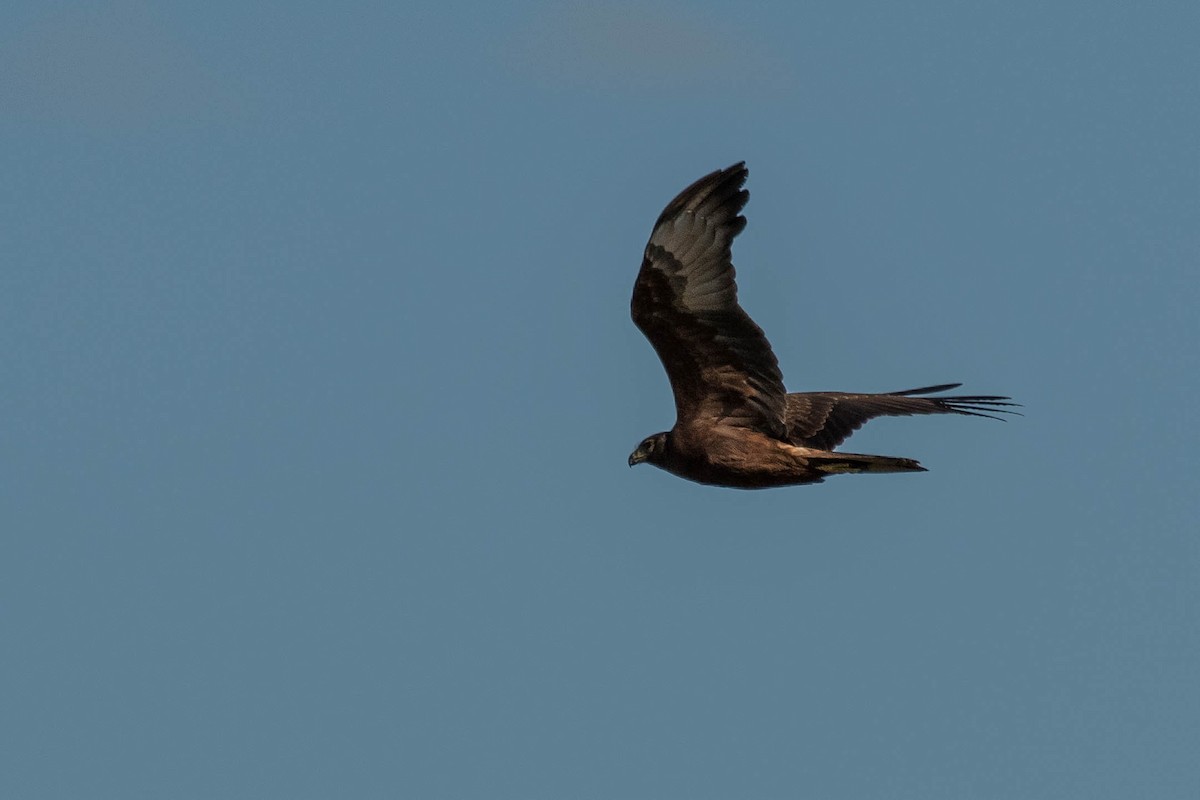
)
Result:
{"points": [[735, 424]]}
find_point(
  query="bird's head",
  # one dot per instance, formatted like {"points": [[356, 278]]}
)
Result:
{"points": [[651, 449]]}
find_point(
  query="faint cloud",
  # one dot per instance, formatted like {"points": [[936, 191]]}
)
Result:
{"points": [[640, 46], [111, 65]]}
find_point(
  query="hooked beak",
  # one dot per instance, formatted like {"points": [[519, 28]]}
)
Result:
{"points": [[636, 457]]}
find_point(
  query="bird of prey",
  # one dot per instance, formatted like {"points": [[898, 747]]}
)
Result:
{"points": [[735, 424]]}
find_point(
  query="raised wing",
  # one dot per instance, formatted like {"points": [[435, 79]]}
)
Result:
{"points": [[826, 419], [719, 362]]}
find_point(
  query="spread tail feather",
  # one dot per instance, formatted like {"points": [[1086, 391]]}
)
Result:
{"points": [[847, 463]]}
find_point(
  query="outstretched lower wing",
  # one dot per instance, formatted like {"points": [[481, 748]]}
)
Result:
{"points": [[719, 362], [826, 419]]}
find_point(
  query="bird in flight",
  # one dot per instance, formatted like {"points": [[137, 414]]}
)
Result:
{"points": [[735, 424]]}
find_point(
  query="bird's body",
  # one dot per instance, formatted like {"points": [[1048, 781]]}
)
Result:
{"points": [[727, 456], [735, 424]]}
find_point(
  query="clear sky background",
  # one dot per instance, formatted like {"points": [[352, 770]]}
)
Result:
{"points": [[318, 383]]}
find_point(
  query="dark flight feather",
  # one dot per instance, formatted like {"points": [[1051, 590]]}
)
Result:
{"points": [[826, 419]]}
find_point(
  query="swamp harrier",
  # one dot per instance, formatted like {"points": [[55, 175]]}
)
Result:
{"points": [[735, 424]]}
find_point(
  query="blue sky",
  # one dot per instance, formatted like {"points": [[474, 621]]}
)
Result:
{"points": [[319, 382]]}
